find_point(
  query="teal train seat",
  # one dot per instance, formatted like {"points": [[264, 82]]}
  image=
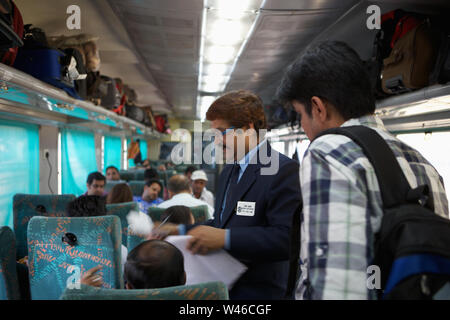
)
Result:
{"points": [[137, 187], [201, 291], [200, 213], [127, 175], [26, 206], [121, 210], [133, 240], [55, 262], [139, 175], [9, 283], [110, 184]]}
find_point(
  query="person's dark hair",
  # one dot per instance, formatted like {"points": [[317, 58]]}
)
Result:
{"points": [[177, 215], [154, 264], [150, 174], [239, 108], [95, 176], [152, 181], [120, 193], [334, 72], [190, 169], [178, 183], [112, 167], [87, 206]]}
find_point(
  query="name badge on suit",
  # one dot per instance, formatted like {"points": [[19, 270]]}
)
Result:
{"points": [[245, 208]]}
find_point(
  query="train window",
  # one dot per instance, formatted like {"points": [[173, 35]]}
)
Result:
{"points": [[19, 164], [112, 153], [59, 164], [125, 153], [430, 146]]}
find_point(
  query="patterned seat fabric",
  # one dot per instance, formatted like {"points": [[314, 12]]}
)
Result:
{"points": [[200, 213], [26, 206], [201, 291], [133, 240], [137, 187], [127, 175], [98, 242], [121, 210], [9, 284]]}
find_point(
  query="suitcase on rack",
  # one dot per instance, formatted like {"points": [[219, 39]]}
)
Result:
{"points": [[106, 92], [135, 113], [11, 32], [411, 61], [47, 65]]}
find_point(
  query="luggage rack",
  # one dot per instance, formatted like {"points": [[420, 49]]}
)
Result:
{"points": [[417, 111], [27, 98]]}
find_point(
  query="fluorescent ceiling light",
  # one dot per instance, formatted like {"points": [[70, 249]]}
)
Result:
{"points": [[231, 9], [220, 54], [216, 69], [226, 32], [214, 79], [212, 87]]}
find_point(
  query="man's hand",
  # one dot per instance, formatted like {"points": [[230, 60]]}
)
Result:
{"points": [[206, 239], [91, 278], [167, 229]]}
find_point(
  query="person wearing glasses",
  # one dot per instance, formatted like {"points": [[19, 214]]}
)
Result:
{"points": [[257, 195]]}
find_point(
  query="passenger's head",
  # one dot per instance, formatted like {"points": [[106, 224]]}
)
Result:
{"points": [[189, 170], [199, 180], [178, 184], [154, 264], [112, 174], [178, 215], [120, 193], [95, 184], [150, 174], [233, 111], [146, 164], [151, 190], [87, 206], [327, 86], [162, 167]]}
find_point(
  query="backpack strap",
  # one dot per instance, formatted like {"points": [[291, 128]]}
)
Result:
{"points": [[394, 186]]}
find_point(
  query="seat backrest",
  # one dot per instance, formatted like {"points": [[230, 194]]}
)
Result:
{"points": [[127, 175], [201, 291], [50, 258], [122, 210], [155, 213], [137, 187], [139, 175], [133, 240], [200, 213], [9, 283], [110, 184], [26, 206]]}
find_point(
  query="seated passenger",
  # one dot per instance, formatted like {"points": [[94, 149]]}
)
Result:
{"points": [[152, 264], [178, 215], [146, 164], [180, 194], [112, 174], [162, 167], [120, 193], [199, 190], [342, 207], [91, 206], [189, 170], [151, 174], [149, 197], [95, 184]]}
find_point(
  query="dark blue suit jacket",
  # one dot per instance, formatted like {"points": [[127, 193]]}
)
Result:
{"points": [[261, 241]]}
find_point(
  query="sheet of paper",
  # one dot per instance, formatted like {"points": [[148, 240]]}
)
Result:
{"points": [[215, 266]]}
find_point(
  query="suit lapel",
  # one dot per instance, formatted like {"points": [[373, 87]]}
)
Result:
{"points": [[247, 180], [223, 182]]}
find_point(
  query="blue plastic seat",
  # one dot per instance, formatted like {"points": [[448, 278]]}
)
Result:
{"points": [[98, 242], [201, 291], [9, 284], [26, 206]]}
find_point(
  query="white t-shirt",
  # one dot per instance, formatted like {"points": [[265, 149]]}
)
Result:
{"points": [[186, 199]]}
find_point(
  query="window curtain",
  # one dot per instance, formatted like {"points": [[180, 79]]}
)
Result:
{"points": [[19, 165], [78, 160], [112, 152], [142, 148]]}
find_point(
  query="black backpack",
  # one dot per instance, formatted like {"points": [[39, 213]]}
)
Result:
{"points": [[412, 248]]}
